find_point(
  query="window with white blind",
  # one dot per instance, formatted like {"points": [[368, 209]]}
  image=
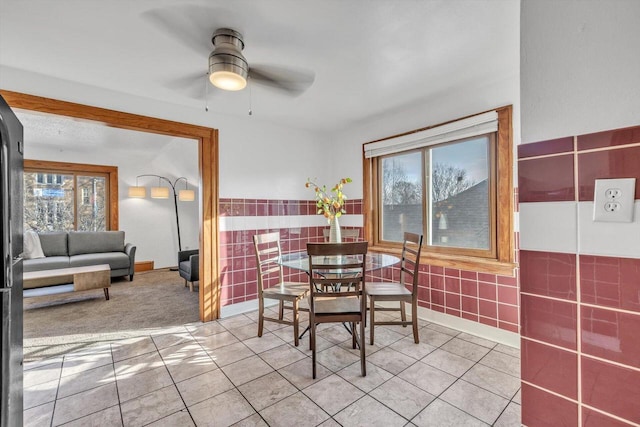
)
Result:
{"points": [[453, 184]]}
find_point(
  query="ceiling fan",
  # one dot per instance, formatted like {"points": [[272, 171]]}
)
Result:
{"points": [[228, 68]]}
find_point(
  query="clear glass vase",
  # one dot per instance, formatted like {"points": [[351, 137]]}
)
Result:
{"points": [[335, 234]]}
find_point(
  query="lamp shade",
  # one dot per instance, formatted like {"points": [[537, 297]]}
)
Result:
{"points": [[137, 192], [160, 192], [186, 195]]}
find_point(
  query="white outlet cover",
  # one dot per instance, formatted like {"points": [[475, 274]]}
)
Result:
{"points": [[625, 188]]}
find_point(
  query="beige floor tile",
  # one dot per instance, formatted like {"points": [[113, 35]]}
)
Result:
{"points": [[41, 374], [85, 403], [267, 390], [230, 353], [254, 420], [41, 363], [502, 362], [335, 333], [369, 412], [169, 340], [385, 336], [330, 423], [38, 416], [475, 401], [73, 365], [178, 419], [245, 332], [442, 414], [476, 340], [466, 349], [235, 321], [39, 394], [137, 364], [443, 329], [336, 358], [109, 417], [511, 351], [182, 351], [333, 394], [428, 378], [282, 356], [391, 360], [203, 330], [448, 362], [215, 341], [139, 383], [516, 398], [408, 347], [510, 417], [151, 407], [375, 376], [404, 398], [209, 413], [496, 382], [321, 344], [86, 380], [246, 370], [181, 370], [266, 342], [432, 337], [300, 373], [296, 410], [132, 347], [203, 387]]}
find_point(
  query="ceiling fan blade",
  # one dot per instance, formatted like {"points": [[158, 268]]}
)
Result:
{"points": [[191, 25], [292, 82], [193, 85]]}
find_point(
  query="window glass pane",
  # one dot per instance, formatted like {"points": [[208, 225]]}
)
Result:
{"points": [[92, 209], [460, 194], [48, 203], [401, 195]]}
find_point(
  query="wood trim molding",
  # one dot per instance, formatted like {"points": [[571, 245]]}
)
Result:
{"points": [[207, 165], [110, 171]]}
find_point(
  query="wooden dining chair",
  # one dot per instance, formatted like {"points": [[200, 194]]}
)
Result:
{"points": [[271, 284], [346, 263], [348, 234], [397, 291]]}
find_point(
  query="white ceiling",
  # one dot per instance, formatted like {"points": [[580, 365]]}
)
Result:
{"points": [[369, 57]]}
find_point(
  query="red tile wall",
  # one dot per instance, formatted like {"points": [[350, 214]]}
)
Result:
{"points": [[580, 313], [485, 298]]}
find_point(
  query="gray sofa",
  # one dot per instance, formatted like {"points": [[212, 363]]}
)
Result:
{"points": [[82, 248]]}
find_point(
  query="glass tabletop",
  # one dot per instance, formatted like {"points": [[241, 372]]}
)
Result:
{"points": [[300, 260]]}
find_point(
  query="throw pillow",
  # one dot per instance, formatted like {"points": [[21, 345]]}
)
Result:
{"points": [[31, 244]]}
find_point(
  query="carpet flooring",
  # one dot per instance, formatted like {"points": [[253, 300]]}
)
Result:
{"points": [[57, 324]]}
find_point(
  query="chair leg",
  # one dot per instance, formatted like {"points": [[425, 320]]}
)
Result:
{"points": [[372, 309], [414, 321], [363, 364], [281, 310], [185, 283], [295, 323], [354, 340], [260, 316], [403, 313], [191, 286], [312, 341]]}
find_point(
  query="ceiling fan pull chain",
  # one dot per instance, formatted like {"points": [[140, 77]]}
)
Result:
{"points": [[206, 93], [250, 84]]}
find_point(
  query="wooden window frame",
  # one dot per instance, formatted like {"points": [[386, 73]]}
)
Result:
{"points": [[209, 295], [504, 261], [111, 172]]}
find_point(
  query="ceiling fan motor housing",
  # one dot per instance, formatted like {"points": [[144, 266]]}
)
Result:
{"points": [[227, 54]]}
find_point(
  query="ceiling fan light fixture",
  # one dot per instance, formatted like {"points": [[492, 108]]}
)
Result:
{"points": [[228, 68], [227, 80]]}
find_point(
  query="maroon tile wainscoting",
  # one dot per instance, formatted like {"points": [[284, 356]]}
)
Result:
{"points": [[580, 312], [485, 298]]}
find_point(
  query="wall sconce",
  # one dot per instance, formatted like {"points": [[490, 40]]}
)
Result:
{"points": [[161, 192]]}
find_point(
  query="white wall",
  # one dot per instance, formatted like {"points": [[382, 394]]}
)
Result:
{"points": [[579, 67]]}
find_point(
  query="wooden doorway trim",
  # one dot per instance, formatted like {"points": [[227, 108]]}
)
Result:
{"points": [[207, 166]]}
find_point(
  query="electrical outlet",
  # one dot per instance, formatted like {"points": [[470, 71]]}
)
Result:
{"points": [[613, 200]]}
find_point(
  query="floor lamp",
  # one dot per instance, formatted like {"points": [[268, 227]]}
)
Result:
{"points": [[161, 192]]}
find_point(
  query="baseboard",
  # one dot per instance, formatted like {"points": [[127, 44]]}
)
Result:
{"points": [[244, 307], [458, 323]]}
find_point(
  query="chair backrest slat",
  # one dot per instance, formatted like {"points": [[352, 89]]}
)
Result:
{"points": [[268, 252], [410, 262]]}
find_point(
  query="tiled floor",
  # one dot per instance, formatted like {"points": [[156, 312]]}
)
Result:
{"points": [[221, 374]]}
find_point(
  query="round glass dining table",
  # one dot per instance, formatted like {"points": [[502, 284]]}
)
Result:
{"points": [[300, 261]]}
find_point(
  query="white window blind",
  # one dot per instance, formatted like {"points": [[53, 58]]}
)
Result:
{"points": [[471, 126]]}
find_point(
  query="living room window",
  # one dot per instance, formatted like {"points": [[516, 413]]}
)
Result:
{"points": [[69, 196], [450, 182]]}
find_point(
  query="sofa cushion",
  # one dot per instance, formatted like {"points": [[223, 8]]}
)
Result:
{"points": [[31, 245], [116, 260], [47, 263], [93, 242], [54, 243]]}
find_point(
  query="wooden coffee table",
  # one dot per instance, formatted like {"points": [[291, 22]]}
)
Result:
{"points": [[82, 278]]}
